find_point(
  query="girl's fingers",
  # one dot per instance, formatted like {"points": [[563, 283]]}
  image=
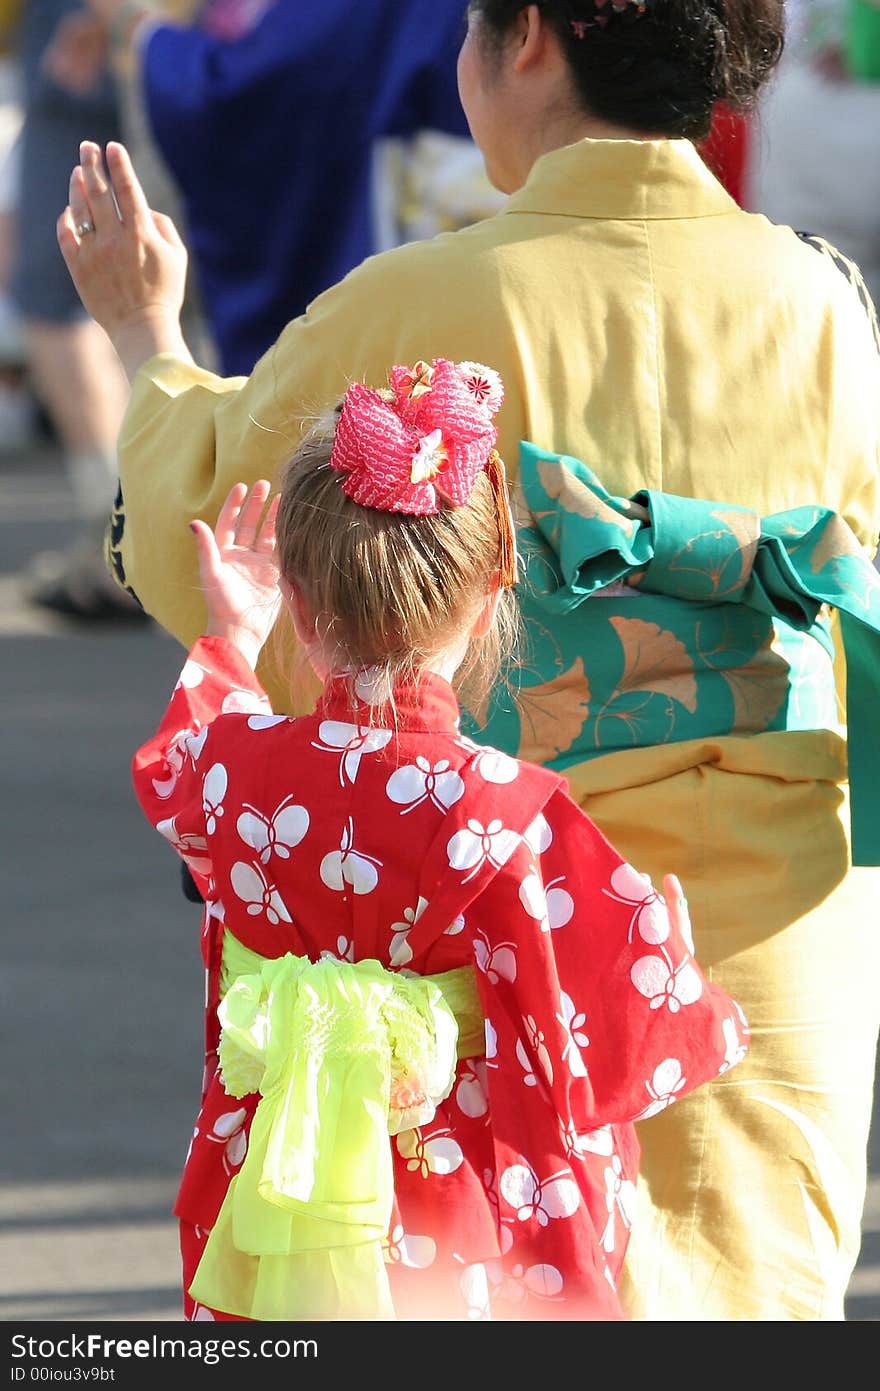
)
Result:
{"points": [[206, 548], [97, 187], [251, 511], [677, 908], [227, 520], [265, 539]]}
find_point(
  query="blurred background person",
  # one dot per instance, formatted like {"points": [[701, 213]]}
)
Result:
{"points": [[18, 416], [268, 115], [814, 159], [72, 367]]}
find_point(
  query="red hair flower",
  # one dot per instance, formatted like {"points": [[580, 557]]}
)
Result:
{"points": [[424, 446]]}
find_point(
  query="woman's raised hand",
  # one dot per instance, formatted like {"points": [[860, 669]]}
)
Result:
{"points": [[127, 262], [237, 568]]}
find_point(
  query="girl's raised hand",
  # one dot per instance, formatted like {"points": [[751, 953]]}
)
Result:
{"points": [[237, 568]]}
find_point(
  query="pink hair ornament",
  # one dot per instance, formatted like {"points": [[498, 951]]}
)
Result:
{"points": [[423, 445]]}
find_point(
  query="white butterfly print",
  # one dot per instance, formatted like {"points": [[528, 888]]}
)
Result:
{"points": [[492, 765], [473, 847], [438, 1154], [496, 767], [536, 1041], [400, 953], [267, 721], [191, 676], [552, 907], [417, 1252], [572, 1021], [422, 781], [241, 702], [656, 979], [252, 887], [191, 847], [543, 1281], [276, 834], [474, 1285], [620, 1196], [538, 836], [553, 1197], [344, 950], [578, 1144], [734, 1050], [194, 742], [371, 685], [352, 741], [649, 911], [499, 962], [455, 927], [347, 866], [667, 1080], [228, 1131], [471, 1093], [491, 1043], [185, 742], [213, 791]]}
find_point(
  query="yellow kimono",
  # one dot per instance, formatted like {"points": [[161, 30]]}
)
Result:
{"points": [[645, 324]]}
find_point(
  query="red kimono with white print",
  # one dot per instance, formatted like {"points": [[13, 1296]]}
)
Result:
{"points": [[422, 850]]}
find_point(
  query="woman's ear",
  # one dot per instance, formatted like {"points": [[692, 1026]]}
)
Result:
{"points": [[487, 614], [532, 32]]}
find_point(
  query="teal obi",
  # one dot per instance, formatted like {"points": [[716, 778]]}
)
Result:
{"points": [[705, 620]]}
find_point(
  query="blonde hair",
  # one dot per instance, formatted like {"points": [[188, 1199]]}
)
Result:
{"points": [[388, 590]]}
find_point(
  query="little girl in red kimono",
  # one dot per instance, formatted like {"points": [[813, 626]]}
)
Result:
{"points": [[438, 998]]}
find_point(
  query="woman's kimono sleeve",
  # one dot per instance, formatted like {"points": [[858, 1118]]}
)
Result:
{"points": [[174, 774], [594, 1000]]}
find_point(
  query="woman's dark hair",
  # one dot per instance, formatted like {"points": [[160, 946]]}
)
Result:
{"points": [[660, 69]]}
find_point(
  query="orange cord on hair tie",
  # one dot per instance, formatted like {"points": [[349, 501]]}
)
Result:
{"points": [[507, 563]]}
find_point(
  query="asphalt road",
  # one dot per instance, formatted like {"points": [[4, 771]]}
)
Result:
{"points": [[101, 982]]}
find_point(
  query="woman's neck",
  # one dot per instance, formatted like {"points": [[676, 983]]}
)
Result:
{"points": [[549, 136]]}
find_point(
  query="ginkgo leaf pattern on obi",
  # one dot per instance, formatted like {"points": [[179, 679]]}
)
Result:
{"points": [[563, 486], [718, 562], [552, 714], [655, 664], [758, 690]]}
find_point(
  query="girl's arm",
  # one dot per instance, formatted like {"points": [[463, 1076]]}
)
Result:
{"points": [[172, 772]]}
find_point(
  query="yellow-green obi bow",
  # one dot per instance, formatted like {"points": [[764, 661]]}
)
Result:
{"points": [[694, 562], [343, 1054]]}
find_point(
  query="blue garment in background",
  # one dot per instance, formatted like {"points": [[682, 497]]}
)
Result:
{"points": [[270, 139]]}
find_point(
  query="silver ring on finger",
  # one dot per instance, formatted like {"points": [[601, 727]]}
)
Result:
{"points": [[83, 228]]}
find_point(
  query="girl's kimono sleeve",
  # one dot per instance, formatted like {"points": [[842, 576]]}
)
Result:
{"points": [[593, 999], [172, 771]]}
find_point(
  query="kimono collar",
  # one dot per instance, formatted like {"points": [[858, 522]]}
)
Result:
{"points": [[429, 703], [623, 179]]}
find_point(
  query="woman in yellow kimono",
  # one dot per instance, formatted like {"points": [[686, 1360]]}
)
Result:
{"points": [[700, 394]]}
